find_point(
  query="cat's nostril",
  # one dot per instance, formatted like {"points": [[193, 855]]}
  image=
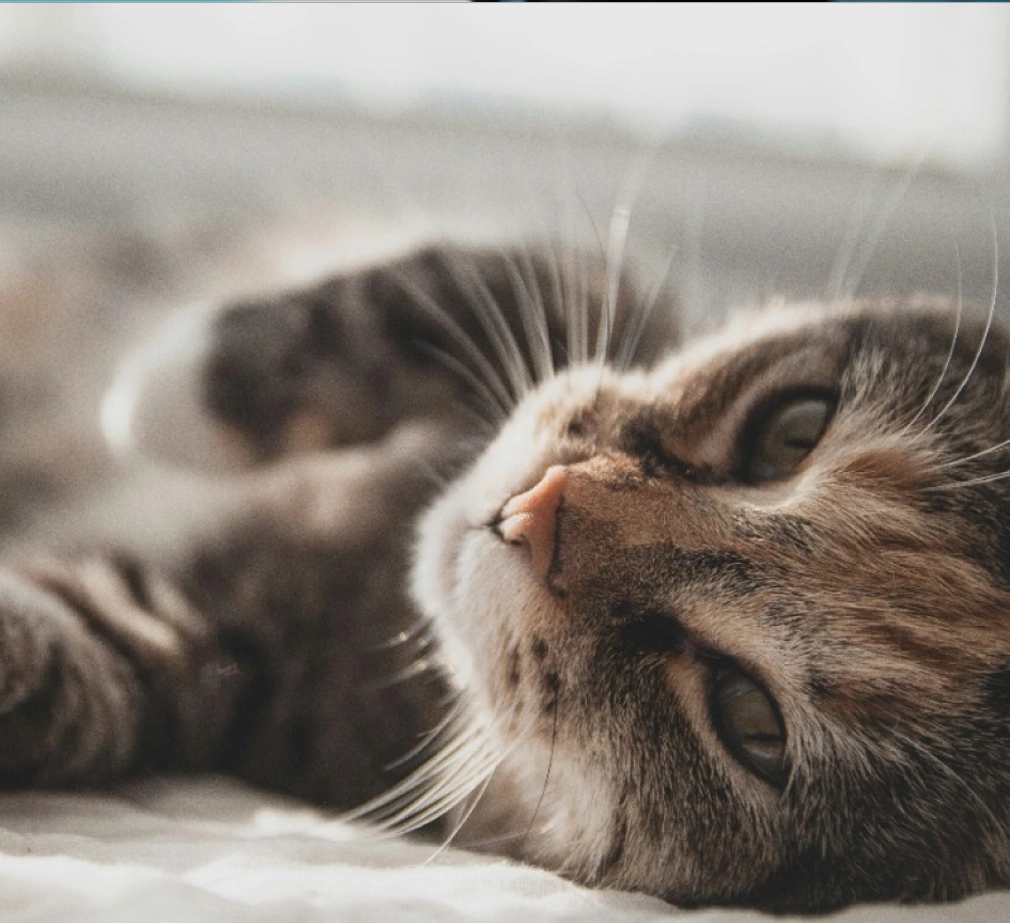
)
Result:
{"points": [[530, 518]]}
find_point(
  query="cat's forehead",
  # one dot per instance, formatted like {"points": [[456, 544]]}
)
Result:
{"points": [[801, 345], [818, 345]]}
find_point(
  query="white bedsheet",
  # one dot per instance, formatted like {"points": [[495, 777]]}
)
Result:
{"points": [[209, 849]]}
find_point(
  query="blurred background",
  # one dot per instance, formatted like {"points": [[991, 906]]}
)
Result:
{"points": [[772, 147], [155, 153]]}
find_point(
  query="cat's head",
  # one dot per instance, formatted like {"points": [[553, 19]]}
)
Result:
{"points": [[740, 624]]}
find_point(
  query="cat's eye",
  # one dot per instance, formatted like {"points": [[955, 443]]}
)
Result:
{"points": [[749, 724], [784, 435]]}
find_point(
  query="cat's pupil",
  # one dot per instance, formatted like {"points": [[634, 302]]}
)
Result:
{"points": [[749, 724], [785, 435]]}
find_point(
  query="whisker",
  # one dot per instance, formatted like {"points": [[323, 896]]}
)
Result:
{"points": [[971, 482], [584, 289], [561, 302], [950, 352], [392, 798], [870, 243], [535, 328], [617, 240], [496, 404], [620, 221], [569, 283], [418, 627], [429, 737], [547, 777], [846, 251], [417, 667], [990, 317], [476, 795], [582, 295], [491, 317], [542, 327], [693, 233], [478, 792], [459, 774], [453, 788], [633, 334], [438, 313]]}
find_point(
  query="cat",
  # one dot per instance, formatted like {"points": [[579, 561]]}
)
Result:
{"points": [[494, 556]]}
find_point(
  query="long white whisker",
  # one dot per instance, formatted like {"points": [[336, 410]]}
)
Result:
{"points": [[972, 482], [950, 353], [636, 328], [429, 737], [438, 313], [693, 233], [495, 325], [846, 251], [448, 792], [585, 289], [479, 792], [542, 327], [561, 308], [475, 798], [617, 236], [418, 666], [573, 318], [617, 240], [454, 779], [416, 630], [527, 293], [496, 404], [408, 787], [990, 317], [884, 216]]}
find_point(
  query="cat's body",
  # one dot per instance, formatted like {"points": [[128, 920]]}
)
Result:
{"points": [[726, 627]]}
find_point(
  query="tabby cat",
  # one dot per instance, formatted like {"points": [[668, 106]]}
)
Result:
{"points": [[491, 557]]}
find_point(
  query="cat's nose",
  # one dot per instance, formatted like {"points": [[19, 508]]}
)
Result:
{"points": [[530, 518]]}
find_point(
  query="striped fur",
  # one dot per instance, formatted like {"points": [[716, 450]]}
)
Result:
{"points": [[342, 625]]}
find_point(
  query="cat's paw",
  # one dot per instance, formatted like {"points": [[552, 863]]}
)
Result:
{"points": [[296, 373], [253, 381], [28, 631], [69, 703]]}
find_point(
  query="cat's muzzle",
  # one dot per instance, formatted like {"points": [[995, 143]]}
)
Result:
{"points": [[530, 518]]}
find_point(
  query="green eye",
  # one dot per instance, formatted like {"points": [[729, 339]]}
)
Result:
{"points": [[749, 724], [785, 436]]}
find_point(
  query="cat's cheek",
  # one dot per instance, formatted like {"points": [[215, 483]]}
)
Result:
{"points": [[440, 533]]}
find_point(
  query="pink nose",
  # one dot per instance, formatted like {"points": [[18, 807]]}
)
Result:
{"points": [[529, 518]]}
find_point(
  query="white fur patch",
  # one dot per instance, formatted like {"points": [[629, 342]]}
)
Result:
{"points": [[154, 406]]}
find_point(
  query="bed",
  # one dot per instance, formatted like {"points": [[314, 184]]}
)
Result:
{"points": [[211, 849]]}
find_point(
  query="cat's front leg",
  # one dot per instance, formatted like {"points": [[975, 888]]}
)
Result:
{"points": [[70, 705], [444, 333], [336, 364], [92, 682], [256, 623]]}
